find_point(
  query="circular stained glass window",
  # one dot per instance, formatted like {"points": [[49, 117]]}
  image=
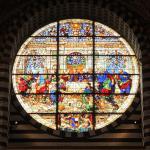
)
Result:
{"points": [[75, 75]]}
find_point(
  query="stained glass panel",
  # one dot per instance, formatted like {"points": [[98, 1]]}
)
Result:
{"points": [[112, 103], [102, 30], [76, 122], [39, 46], [76, 83], [75, 103], [35, 65], [80, 45], [39, 103], [47, 120], [75, 63], [116, 64], [34, 84], [103, 120], [48, 30], [116, 84], [75, 27], [112, 46]]}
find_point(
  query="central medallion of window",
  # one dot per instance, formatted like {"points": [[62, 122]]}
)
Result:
{"points": [[75, 75]]}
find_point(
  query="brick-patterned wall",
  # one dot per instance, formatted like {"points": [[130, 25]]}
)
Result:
{"points": [[26, 18]]}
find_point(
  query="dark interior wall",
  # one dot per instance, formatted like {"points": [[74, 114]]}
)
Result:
{"points": [[15, 27], [126, 136]]}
